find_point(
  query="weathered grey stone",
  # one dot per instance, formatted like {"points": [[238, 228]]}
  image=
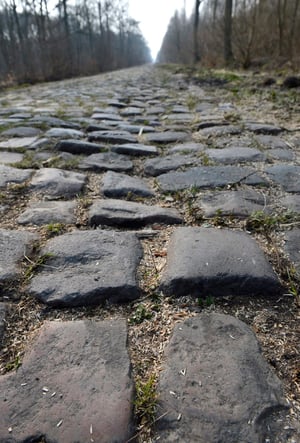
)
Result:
{"points": [[166, 137], [187, 148], [108, 161], [54, 122], [281, 154], [263, 128], [13, 245], [89, 267], [208, 177], [212, 123], [137, 149], [291, 202], [241, 203], [53, 182], [130, 214], [79, 147], [22, 142], [292, 247], [218, 131], [120, 185], [75, 385], [161, 165], [180, 117], [235, 155], [135, 129], [42, 213], [112, 137], [217, 262], [216, 386], [10, 157], [21, 131], [271, 142], [64, 133], [3, 310], [131, 111], [154, 110], [288, 176], [9, 174]]}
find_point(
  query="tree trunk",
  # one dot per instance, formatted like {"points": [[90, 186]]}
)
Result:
{"points": [[228, 54], [197, 56]]}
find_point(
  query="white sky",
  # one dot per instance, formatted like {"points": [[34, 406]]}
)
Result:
{"points": [[154, 16]]}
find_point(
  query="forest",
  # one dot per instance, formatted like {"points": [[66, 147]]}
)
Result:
{"points": [[42, 40], [241, 33]]}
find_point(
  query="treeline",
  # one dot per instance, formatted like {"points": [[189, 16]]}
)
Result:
{"points": [[241, 32], [40, 41]]}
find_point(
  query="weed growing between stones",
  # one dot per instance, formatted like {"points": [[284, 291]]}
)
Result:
{"points": [[140, 314], [55, 229], [33, 266], [146, 400], [28, 162], [260, 221]]}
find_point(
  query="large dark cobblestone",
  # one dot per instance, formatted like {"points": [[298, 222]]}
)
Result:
{"points": [[147, 150]]}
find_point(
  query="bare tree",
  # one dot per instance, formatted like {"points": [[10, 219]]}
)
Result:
{"points": [[228, 54]]}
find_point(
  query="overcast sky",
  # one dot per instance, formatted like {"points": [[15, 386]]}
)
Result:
{"points": [[154, 17]]}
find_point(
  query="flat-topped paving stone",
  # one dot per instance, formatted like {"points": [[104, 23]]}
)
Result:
{"points": [[218, 131], [131, 111], [281, 154], [241, 203], [64, 133], [88, 268], [10, 157], [106, 116], [113, 137], [208, 177], [57, 183], [136, 149], [287, 176], [117, 185], [166, 137], [107, 161], [135, 129], [14, 246], [272, 142], [54, 122], [22, 142], [47, 212], [210, 261], [292, 247], [75, 385], [161, 165], [263, 128], [291, 202], [216, 386], [235, 155], [79, 147], [128, 214], [9, 174], [21, 131]]}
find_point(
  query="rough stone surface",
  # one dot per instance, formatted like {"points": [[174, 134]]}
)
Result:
{"points": [[262, 128], [121, 185], [209, 261], [10, 157], [240, 203], [216, 386], [162, 165], [218, 131], [288, 176], [42, 213], [22, 142], [187, 148], [135, 149], [291, 202], [130, 214], [292, 247], [64, 133], [101, 265], [9, 174], [53, 182], [235, 155], [79, 147], [21, 131], [113, 137], [13, 246], [208, 177], [74, 385], [108, 161], [166, 137]]}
